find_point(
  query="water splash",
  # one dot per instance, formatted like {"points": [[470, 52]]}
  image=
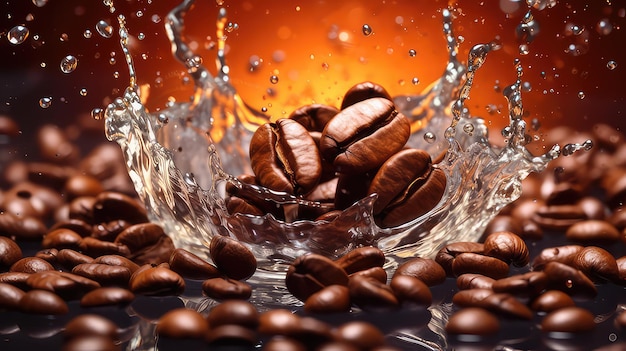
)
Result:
{"points": [[181, 158]]}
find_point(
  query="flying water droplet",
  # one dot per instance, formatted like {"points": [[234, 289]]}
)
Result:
{"points": [[412, 52], [274, 79], [104, 29], [604, 27], [430, 137], [45, 102], [68, 64], [87, 34], [366, 29], [611, 65], [97, 113], [528, 29], [415, 81], [17, 35], [83, 92], [40, 3], [581, 95]]}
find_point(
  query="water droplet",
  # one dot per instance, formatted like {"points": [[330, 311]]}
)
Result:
{"points": [[611, 65], [83, 92], [40, 3], [569, 284], [231, 27], [17, 35], [158, 82], [430, 137], [141, 36], [415, 81], [367, 30], [535, 124], [581, 95], [97, 113], [524, 49], [274, 79], [412, 52], [468, 128], [139, 13], [604, 27], [254, 63], [219, 2], [528, 29], [163, 118], [64, 37], [156, 18], [45, 102], [540, 4], [68, 64], [87, 34], [325, 66], [104, 29]]}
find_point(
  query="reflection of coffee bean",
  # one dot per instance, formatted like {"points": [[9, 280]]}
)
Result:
{"points": [[90, 325]]}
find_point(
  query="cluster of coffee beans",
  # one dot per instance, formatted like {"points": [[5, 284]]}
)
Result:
{"points": [[338, 157]]}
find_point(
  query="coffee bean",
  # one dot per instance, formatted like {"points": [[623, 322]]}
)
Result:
{"points": [[621, 267], [191, 266], [526, 284], [138, 236], [361, 258], [82, 185], [26, 199], [31, 265], [21, 228], [471, 297], [377, 273], [508, 247], [156, 281], [551, 300], [237, 312], [10, 296], [17, 279], [94, 248], [506, 305], [597, 264], [43, 302], [279, 322], [469, 262], [563, 254], [284, 157], [424, 269], [504, 223], [594, 232], [224, 289], [107, 296], [70, 258], [448, 253], [568, 320], [78, 226], [232, 258], [55, 146], [314, 117], [362, 136], [106, 163], [67, 285], [330, 299], [558, 217], [569, 280], [117, 260], [104, 274], [10, 252], [281, 343], [61, 239], [90, 325], [593, 208], [93, 342], [363, 91], [474, 281], [108, 231], [310, 273], [409, 289], [370, 294], [620, 321], [363, 335], [81, 208], [182, 323], [473, 321], [109, 206]]}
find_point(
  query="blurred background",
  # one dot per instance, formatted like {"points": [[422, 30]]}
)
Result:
{"points": [[284, 54]]}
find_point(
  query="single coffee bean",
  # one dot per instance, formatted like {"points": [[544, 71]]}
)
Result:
{"points": [[621, 267], [78, 226], [81, 208], [138, 236], [117, 260], [596, 232], [21, 228], [363, 335], [237, 312], [284, 157], [108, 231], [620, 321], [474, 281], [508, 247], [593, 208], [104, 274], [31, 265], [70, 258], [43, 302], [156, 281], [361, 258], [469, 262], [424, 269], [310, 273], [363, 91], [504, 223], [10, 252], [331, 299], [448, 253], [82, 185], [232, 258], [370, 294], [225, 289], [314, 117], [191, 266], [473, 321], [67, 285], [94, 248], [281, 343], [597, 264], [235, 205], [55, 146], [377, 273], [109, 206], [471, 297], [61, 239], [278, 322], [506, 305], [27, 199], [156, 253], [558, 217], [182, 323], [10, 297], [362, 136], [568, 320], [563, 254], [90, 325], [526, 284], [411, 290], [106, 163], [17, 279], [107, 296], [551, 300], [569, 280]]}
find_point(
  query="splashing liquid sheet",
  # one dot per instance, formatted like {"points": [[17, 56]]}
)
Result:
{"points": [[181, 158]]}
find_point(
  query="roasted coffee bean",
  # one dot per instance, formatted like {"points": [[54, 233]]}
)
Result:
{"points": [[473, 321], [10, 252], [331, 299], [8, 126], [107, 296], [506, 305], [446, 255], [594, 232], [94, 248], [55, 146], [279, 322], [314, 117], [370, 294], [621, 267], [362, 136], [21, 228], [284, 157], [424, 269], [43, 302], [93, 342], [31, 265], [474, 281], [558, 217], [157, 281], [569, 280], [82, 185], [90, 325], [182, 323], [78, 226], [411, 290], [225, 289], [281, 343], [508, 247], [17, 279], [310, 273], [504, 223], [27, 199], [593, 208], [563, 254], [67, 285], [620, 321], [361, 258], [233, 335], [597, 264], [469, 262], [48, 174], [551, 300], [104, 274], [117, 260], [108, 231], [138, 236], [377, 273], [106, 163], [471, 297], [70, 258], [109, 206], [363, 91], [235, 205], [81, 208], [191, 266], [232, 258], [10, 297], [363, 335], [156, 253], [526, 284], [568, 320], [404, 195], [61, 239], [234, 312]]}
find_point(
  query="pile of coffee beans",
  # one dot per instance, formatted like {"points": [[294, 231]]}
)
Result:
{"points": [[337, 157], [81, 267]]}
